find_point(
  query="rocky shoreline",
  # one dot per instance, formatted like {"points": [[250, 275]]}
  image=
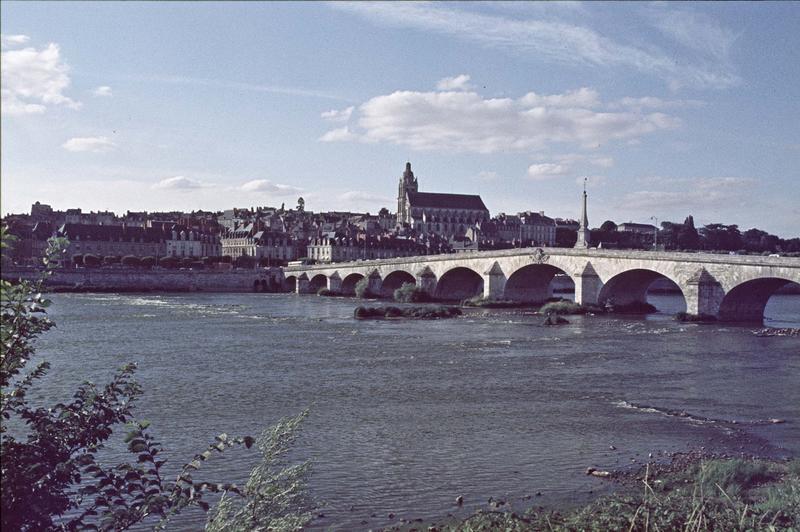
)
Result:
{"points": [[783, 331]]}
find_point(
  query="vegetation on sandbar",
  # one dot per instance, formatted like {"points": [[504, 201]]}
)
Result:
{"points": [[411, 293], [695, 318], [691, 493], [418, 313]]}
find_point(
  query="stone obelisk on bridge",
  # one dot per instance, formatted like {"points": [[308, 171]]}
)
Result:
{"points": [[584, 236]]}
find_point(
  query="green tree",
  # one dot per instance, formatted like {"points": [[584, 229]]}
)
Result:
{"points": [[720, 237], [688, 237], [91, 261], [131, 261], [668, 235], [245, 261], [51, 478], [608, 226], [168, 262]]}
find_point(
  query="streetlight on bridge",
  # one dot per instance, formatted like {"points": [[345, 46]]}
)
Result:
{"points": [[655, 233]]}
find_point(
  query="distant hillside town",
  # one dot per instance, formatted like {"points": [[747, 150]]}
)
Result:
{"points": [[425, 223]]}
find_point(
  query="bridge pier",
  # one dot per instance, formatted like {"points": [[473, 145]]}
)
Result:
{"points": [[703, 294], [302, 284], [426, 281], [494, 282], [587, 286], [335, 282]]}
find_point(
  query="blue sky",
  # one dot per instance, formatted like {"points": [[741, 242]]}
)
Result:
{"points": [[669, 109]]}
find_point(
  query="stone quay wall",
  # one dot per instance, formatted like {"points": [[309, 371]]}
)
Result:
{"points": [[132, 280]]}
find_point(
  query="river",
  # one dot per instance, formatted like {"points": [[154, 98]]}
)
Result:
{"points": [[407, 415]]}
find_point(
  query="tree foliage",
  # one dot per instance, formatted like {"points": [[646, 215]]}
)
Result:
{"points": [[362, 288], [608, 225], [131, 261], [91, 261], [52, 476], [688, 237]]}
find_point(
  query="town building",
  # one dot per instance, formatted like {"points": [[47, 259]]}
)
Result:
{"points": [[252, 241], [642, 229], [190, 243], [329, 249], [114, 240], [524, 229]]}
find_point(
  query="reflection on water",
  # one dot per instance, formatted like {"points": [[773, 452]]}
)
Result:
{"points": [[406, 415]]}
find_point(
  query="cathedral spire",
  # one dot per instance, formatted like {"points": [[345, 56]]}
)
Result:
{"points": [[584, 236]]}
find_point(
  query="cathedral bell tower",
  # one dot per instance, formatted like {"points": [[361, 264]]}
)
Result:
{"points": [[408, 183]]}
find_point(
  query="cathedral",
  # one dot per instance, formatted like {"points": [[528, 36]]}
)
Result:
{"points": [[448, 215]]}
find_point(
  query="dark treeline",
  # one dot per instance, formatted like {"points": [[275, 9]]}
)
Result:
{"points": [[685, 236]]}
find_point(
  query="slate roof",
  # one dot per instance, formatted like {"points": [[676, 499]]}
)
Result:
{"points": [[111, 233], [436, 200]]}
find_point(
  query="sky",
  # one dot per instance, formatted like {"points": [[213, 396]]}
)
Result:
{"points": [[666, 109]]}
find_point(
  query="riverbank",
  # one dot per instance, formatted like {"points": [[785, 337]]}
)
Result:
{"points": [[691, 491], [127, 280]]}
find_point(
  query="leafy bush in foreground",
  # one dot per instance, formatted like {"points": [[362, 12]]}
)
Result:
{"points": [[51, 476]]}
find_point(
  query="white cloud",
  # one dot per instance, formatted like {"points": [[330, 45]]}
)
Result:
{"points": [[488, 175], [90, 144], [457, 83], [180, 183], [468, 122], [358, 196], [341, 134], [226, 85], [546, 170], [700, 192], [582, 97], [603, 162], [651, 102], [554, 40], [338, 115], [13, 40], [695, 31], [103, 90], [575, 158], [34, 79], [591, 180], [265, 185]]}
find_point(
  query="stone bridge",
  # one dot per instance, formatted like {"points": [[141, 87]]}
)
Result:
{"points": [[728, 287]]}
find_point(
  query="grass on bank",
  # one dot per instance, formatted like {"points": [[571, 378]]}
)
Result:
{"points": [[709, 495]]}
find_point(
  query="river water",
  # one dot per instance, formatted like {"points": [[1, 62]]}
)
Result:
{"points": [[407, 415]]}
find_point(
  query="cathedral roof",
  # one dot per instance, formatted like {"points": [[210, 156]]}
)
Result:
{"points": [[446, 201]]}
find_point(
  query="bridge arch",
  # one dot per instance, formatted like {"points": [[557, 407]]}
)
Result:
{"points": [[290, 283], [630, 287], [532, 283], [349, 284], [395, 280], [317, 282], [747, 301], [459, 283]]}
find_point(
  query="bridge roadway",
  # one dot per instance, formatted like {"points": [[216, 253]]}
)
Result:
{"points": [[728, 287]]}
